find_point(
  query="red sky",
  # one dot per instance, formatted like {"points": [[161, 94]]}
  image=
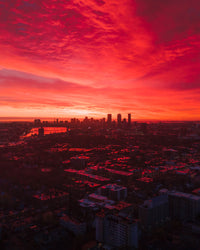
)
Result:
{"points": [[64, 58]]}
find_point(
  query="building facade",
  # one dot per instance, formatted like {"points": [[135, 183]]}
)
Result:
{"points": [[154, 212], [117, 231]]}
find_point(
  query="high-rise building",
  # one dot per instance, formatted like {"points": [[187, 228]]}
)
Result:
{"points": [[119, 120], [129, 120], [154, 212], [117, 231], [183, 206], [109, 119], [124, 122]]}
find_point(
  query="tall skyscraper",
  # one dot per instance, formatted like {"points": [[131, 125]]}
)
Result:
{"points": [[109, 119], [119, 120], [129, 120]]}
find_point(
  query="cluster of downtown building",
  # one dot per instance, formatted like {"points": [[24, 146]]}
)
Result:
{"points": [[119, 122], [121, 184]]}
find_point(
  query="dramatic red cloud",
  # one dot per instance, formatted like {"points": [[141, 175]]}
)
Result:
{"points": [[92, 57]]}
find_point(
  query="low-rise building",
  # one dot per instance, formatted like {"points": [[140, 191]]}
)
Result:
{"points": [[113, 191]]}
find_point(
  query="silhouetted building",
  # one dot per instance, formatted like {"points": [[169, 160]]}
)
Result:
{"points": [[124, 122], [103, 122], [109, 119], [119, 120], [129, 120]]}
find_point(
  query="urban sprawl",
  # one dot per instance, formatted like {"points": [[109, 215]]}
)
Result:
{"points": [[99, 184]]}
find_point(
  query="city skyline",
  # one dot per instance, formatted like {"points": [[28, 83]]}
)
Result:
{"points": [[93, 58]]}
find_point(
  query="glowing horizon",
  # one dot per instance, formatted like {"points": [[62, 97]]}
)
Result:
{"points": [[94, 57]]}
